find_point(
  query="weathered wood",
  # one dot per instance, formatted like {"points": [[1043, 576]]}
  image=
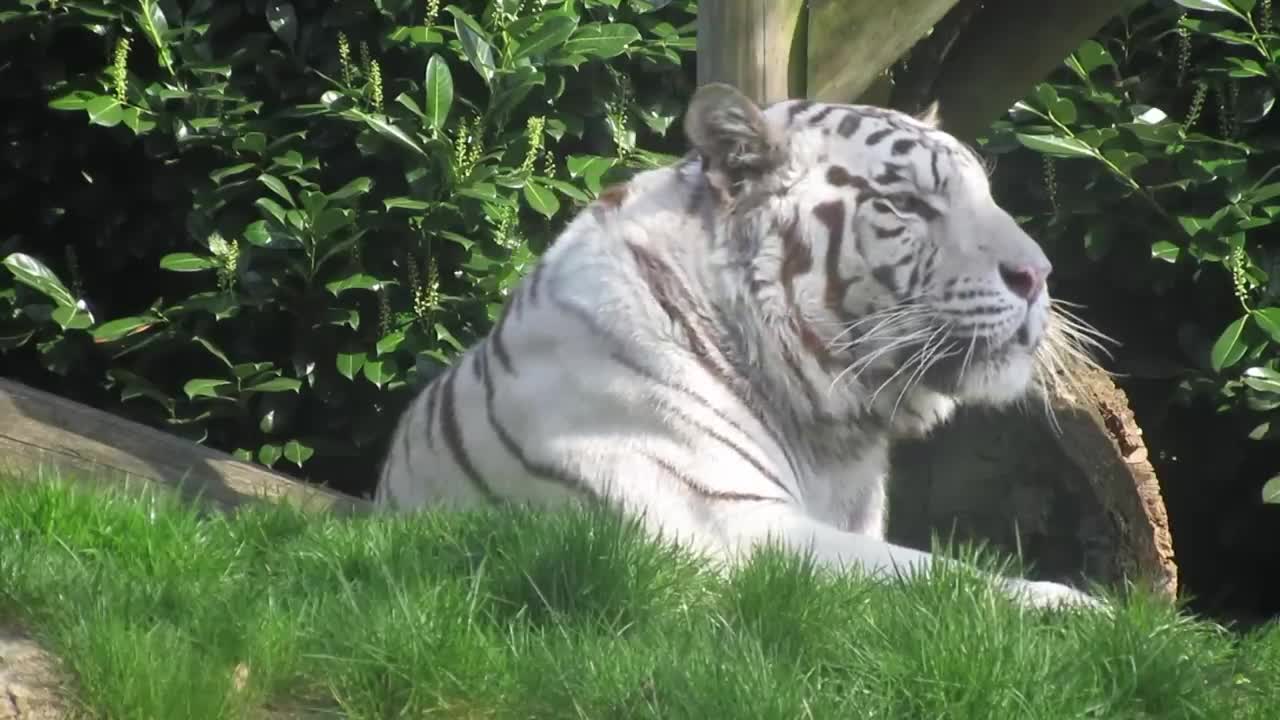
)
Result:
{"points": [[1080, 501], [1005, 49], [754, 45], [39, 430], [851, 42]]}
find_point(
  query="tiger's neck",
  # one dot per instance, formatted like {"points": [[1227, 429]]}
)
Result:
{"points": [[735, 278]]}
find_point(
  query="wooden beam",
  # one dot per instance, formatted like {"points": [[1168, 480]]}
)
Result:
{"points": [[39, 430], [755, 45], [1006, 48], [852, 42]]}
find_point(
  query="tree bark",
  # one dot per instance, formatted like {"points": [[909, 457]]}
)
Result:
{"points": [[1005, 48], [39, 430], [1079, 500]]}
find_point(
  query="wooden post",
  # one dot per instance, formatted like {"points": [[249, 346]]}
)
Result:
{"points": [[851, 42], [1007, 47], [755, 45]]}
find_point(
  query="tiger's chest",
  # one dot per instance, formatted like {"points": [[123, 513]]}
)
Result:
{"points": [[848, 493]]}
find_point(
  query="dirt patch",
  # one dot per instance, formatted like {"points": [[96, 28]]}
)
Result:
{"points": [[32, 684]]}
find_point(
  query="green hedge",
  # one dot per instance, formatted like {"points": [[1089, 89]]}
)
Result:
{"points": [[259, 224]]}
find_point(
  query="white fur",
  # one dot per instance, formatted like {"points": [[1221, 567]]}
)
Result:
{"points": [[573, 407]]}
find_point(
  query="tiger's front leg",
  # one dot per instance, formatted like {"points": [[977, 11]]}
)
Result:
{"points": [[837, 549]]}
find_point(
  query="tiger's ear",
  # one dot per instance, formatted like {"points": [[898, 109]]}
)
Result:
{"points": [[732, 135], [931, 116]]}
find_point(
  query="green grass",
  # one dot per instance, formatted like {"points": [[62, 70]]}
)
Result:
{"points": [[158, 613]]}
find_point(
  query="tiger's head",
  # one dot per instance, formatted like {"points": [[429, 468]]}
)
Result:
{"points": [[873, 237]]}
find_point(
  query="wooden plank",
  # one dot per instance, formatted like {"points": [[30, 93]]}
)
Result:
{"points": [[39, 430], [1008, 47], [755, 45], [851, 42]]}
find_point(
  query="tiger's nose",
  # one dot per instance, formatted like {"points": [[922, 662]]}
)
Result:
{"points": [[1025, 281]]}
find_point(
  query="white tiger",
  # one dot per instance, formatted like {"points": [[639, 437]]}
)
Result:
{"points": [[727, 346]]}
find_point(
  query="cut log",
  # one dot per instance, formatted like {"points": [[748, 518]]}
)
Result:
{"points": [[39, 430], [1080, 501]]}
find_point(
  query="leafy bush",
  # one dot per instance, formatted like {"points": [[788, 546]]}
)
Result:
{"points": [[260, 223], [1158, 152]]}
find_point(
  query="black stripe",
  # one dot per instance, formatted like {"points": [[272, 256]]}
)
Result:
{"points": [[810, 391], [538, 470], [821, 115], [495, 337], [849, 124], [797, 107], [429, 407], [720, 415], [534, 279], [726, 378], [701, 489], [729, 443], [453, 436], [879, 135]]}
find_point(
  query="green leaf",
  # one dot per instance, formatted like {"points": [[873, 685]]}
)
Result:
{"points": [[297, 453], [393, 133], [260, 234], [1246, 67], [1263, 379], [1210, 6], [1166, 251], [389, 343], [540, 198], [359, 186], [203, 387], [223, 173], [350, 363], [33, 273], [1229, 347], [1124, 160], [104, 110], [254, 142], [271, 208], [600, 40], [331, 220], [549, 35], [116, 329], [278, 384], [277, 186], [1271, 491], [1055, 146], [591, 168], [359, 281], [269, 454], [187, 262], [291, 159], [71, 317], [475, 43], [379, 372], [1269, 320], [405, 203], [75, 100], [439, 88], [1092, 55]]}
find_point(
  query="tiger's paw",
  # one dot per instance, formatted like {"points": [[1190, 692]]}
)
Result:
{"points": [[1054, 596]]}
